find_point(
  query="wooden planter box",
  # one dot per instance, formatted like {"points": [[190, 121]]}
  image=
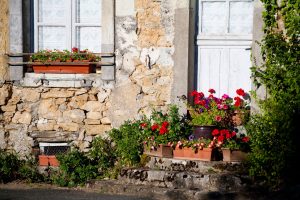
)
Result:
{"points": [[48, 160], [67, 68], [233, 155], [187, 153], [164, 151]]}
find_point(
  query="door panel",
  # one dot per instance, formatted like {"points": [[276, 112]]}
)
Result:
{"points": [[224, 69]]}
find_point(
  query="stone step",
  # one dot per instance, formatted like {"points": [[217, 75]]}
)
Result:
{"points": [[171, 164], [211, 181], [160, 193]]}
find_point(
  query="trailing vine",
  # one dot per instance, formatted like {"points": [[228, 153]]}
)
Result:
{"points": [[275, 148]]}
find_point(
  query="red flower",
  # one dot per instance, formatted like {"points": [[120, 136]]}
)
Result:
{"points": [[245, 139], [221, 138], [75, 49], [165, 124], [143, 125], [154, 127], [194, 93], [237, 102], [224, 132], [211, 91], [228, 135], [233, 134], [163, 130], [240, 92], [218, 118], [215, 132]]}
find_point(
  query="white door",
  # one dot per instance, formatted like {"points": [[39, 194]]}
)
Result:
{"points": [[66, 24], [224, 40]]}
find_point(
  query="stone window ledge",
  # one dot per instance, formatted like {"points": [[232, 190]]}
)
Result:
{"points": [[64, 80]]}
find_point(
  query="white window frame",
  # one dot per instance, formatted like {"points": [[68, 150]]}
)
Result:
{"points": [[226, 39], [70, 24]]}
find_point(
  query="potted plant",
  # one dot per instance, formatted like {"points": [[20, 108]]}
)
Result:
{"points": [[163, 131], [208, 113], [194, 149], [234, 147], [56, 61], [241, 108]]}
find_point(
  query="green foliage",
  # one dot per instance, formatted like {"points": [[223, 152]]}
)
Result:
{"points": [[9, 166], [128, 140], [103, 154], [12, 168], [75, 168], [64, 55], [274, 132], [165, 128]]}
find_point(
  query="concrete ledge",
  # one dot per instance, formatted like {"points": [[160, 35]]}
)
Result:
{"points": [[62, 80]]}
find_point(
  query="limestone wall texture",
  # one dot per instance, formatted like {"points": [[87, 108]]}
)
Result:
{"points": [[144, 37], [4, 34]]}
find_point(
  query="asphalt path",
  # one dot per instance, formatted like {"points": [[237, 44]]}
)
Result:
{"points": [[58, 194]]}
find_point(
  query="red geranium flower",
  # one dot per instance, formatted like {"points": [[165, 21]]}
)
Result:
{"points": [[163, 130], [211, 91], [165, 124], [215, 132], [240, 92], [75, 49], [245, 139], [221, 138], [154, 127], [143, 125]]}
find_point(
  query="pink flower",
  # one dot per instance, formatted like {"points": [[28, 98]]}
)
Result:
{"points": [[225, 96], [218, 118], [225, 106]]}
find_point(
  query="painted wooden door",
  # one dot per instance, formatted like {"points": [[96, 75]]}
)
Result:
{"points": [[68, 23], [223, 41]]}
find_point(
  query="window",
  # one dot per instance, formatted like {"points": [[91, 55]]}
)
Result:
{"points": [[223, 43], [68, 23]]}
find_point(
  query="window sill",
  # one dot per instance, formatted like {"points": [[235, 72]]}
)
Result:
{"points": [[62, 80]]}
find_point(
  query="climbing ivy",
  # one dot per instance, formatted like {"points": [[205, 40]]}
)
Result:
{"points": [[275, 132]]}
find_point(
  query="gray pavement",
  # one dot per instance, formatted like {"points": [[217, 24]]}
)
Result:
{"points": [[58, 194]]}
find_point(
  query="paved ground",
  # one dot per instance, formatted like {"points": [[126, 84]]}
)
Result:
{"points": [[44, 192]]}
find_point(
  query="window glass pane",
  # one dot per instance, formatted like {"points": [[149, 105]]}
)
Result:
{"points": [[241, 17], [88, 11], [213, 17], [51, 11], [88, 38], [52, 38]]}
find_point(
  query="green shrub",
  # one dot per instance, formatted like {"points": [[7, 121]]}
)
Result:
{"points": [[128, 140], [103, 154], [274, 132], [13, 168], [9, 166], [75, 169]]}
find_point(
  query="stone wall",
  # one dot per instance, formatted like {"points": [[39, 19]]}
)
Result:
{"points": [[144, 37], [144, 50], [31, 115]]}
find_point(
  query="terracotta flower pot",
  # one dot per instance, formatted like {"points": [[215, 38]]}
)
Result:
{"points": [[165, 151], [48, 160], [178, 153], [188, 153], [233, 155]]}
